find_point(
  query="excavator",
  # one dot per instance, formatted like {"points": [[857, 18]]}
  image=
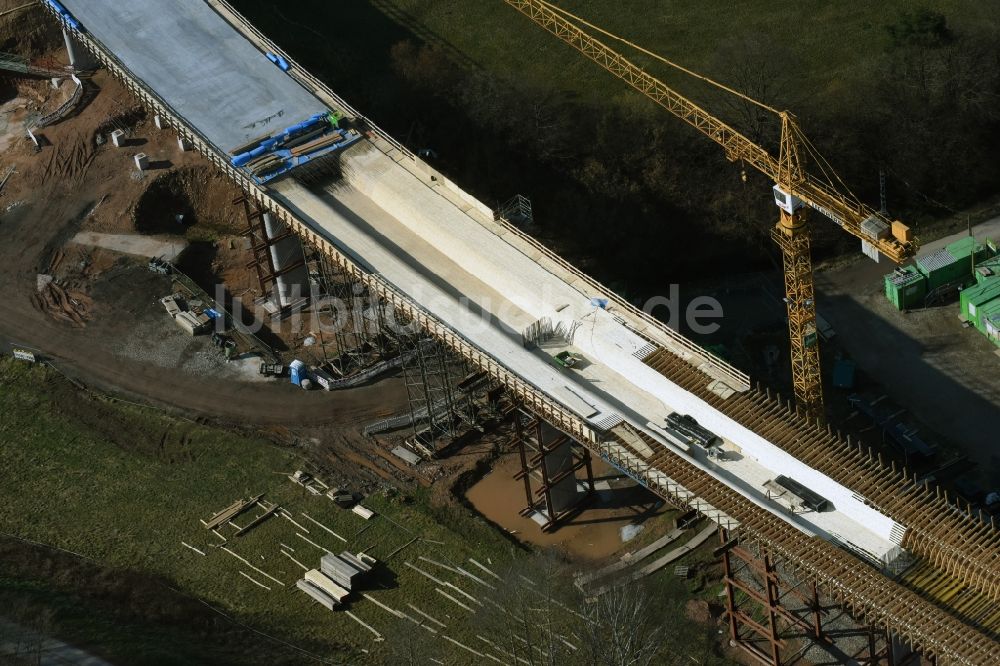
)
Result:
{"points": [[796, 191]]}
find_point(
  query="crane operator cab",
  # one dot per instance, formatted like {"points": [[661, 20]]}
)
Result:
{"points": [[787, 202]]}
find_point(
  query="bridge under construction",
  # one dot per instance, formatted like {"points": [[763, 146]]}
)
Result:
{"points": [[899, 555]]}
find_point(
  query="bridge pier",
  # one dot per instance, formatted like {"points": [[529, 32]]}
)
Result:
{"points": [[79, 57], [278, 257], [550, 458], [956, 549]]}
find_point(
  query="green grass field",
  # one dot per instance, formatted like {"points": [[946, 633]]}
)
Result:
{"points": [[123, 485], [821, 44], [128, 491]]}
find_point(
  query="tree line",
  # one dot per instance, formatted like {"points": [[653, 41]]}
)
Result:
{"points": [[621, 182]]}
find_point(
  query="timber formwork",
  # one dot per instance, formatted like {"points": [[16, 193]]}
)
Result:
{"points": [[964, 601], [964, 549], [534, 453], [959, 547], [870, 596]]}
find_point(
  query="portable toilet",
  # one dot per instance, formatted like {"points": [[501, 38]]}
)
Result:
{"points": [[298, 372], [843, 373]]}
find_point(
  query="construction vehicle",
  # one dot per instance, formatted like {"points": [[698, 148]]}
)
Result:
{"points": [[686, 428], [567, 359], [158, 265], [795, 190]]}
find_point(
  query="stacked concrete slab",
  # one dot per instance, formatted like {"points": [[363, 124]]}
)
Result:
{"points": [[336, 577], [344, 569], [316, 593]]}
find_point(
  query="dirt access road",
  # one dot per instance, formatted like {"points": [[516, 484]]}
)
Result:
{"points": [[74, 185]]}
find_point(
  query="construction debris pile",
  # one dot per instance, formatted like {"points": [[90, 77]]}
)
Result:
{"points": [[70, 305]]}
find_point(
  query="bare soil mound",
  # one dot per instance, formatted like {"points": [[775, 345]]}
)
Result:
{"points": [[193, 195]]}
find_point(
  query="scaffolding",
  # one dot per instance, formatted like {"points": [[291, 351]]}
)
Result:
{"points": [[775, 618], [516, 210], [440, 411], [552, 458], [260, 247], [351, 323], [954, 546]]}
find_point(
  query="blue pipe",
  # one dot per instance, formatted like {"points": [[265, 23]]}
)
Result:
{"points": [[305, 124], [264, 147], [65, 15]]}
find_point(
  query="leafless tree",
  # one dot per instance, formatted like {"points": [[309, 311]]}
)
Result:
{"points": [[530, 619], [623, 629]]}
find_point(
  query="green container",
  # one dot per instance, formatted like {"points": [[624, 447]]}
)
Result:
{"points": [[941, 267], [906, 288], [987, 269], [991, 321], [963, 248], [974, 299], [953, 264]]}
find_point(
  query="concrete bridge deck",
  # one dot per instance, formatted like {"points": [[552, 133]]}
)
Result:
{"points": [[435, 254], [212, 76], [399, 227]]}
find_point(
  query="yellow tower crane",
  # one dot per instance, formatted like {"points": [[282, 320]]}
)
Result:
{"points": [[795, 191]]}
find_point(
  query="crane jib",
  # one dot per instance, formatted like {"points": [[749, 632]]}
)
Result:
{"points": [[828, 213]]}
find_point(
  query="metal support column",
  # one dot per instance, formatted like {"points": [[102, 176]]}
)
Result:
{"points": [[262, 262], [764, 591], [352, 323], [773, 599], [552, 497]]}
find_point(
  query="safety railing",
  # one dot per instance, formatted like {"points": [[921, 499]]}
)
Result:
{"points": [[781, 537], [532, 396], [65, 108]]}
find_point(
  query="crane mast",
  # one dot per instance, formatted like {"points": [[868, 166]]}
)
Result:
{"points": [[795, 192]]}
